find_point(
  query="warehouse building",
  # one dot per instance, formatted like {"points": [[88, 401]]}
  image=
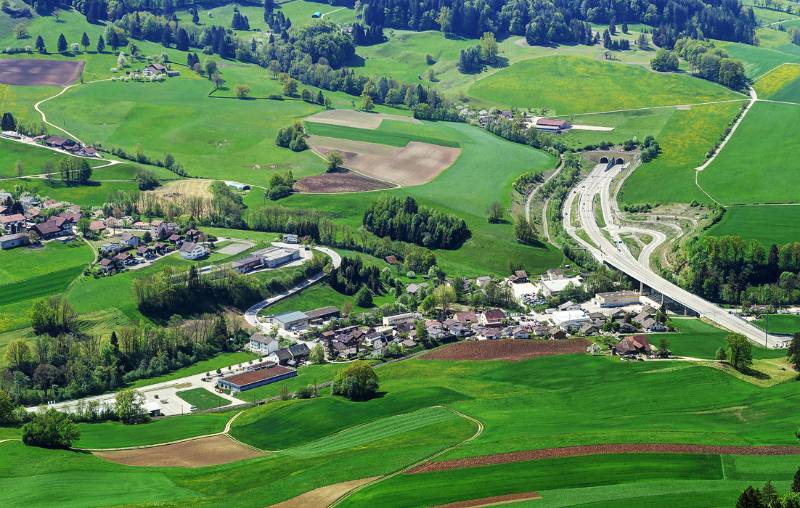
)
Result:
{"points": [[255, 378], [617, 298]]}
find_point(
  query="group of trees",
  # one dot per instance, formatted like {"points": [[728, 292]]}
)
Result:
{"points": [[732, 270], [74, 171], [367, 35], [353, 275], [70, 365], [665, 61], [403, 219], [280, 186], [239, 21], [711, 63], [292, 137], [357, 381], [768, 496], [473, 59]]}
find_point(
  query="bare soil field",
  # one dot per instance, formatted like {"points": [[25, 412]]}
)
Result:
{"points": [[206, 451], [493, 500], [344, 181], [323, 496], [507, 349], [357, 119], [415, 164], [184, 188], [39, 72], [607, 449]]}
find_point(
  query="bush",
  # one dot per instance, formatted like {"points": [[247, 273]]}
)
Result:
{"points": [[50, 429], [363, 297], [357, 382]]}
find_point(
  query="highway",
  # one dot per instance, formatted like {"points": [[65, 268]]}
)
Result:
{"points": [[617, 255]]}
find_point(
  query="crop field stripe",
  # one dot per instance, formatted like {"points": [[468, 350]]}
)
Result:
{"points": [[42, 285], [377, 136]]}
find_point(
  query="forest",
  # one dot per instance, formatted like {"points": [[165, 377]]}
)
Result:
{"points": [[404, 219], [732, 270]]}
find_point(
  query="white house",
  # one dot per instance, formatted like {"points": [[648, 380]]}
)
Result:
{"points": [[262, 344], [191, 250]]}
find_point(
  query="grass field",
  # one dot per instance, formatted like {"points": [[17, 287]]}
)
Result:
{"points": [[787, 324], [780, 84], [117, 435], [684, 139], [699, 339], [767, 224], [757, 165], [202, 398], [568, 85], [485, 172]]}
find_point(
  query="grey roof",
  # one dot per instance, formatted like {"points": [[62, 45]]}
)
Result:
{"points": [[291, 317], [299, 350]]}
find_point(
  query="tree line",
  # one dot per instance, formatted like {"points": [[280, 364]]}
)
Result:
{"points": [[732, 270], [404, 219]]}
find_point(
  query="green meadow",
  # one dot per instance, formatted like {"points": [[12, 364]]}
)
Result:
{"points": [[684, 139], [767, 223], [117, 435], [757, 165], [780, 84], [698, 339], [202, 398], [484, 171], [569, 85], [785, 324]]}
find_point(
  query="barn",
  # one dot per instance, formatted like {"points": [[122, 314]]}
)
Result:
{"points": [[255, 378]]}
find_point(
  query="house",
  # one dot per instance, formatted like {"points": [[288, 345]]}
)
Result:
{"points": [[492, 317], [323, 314], [280, 356], [552, 125], [299, 352], [191, 250], [290, 238], [518, 277], [558, 334], [617, 298], [12, 224], [130, 240], [107, 265], [97, 226], [291, 320], [466, 317], [491, 333], [154, 69], [145, 251], [414, 288], [392, 260], [588, 329], [407, 317], [262, 344], [124, 258], [255, 378], [49, 229], [633, 345], [15, 240], [566, 319], [164, 230], [646, 313], [519, 332]]}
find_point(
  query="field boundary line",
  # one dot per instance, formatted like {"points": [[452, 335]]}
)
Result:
{"points": [[478, 432], [223, 432], [650, 107]]}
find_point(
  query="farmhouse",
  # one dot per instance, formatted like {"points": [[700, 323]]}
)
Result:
{"points": [[11, 241], [323, 314], [280, 356], [492, 317], [191, 250], [552, 125], [262, 344], [52, 228], [617, 298], [291, 320], [633, 345], [13, 223], [154, 69], [299, 352], [255, 378]]}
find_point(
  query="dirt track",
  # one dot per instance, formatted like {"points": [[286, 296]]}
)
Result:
{"points": [[493, 500], [338, 182], [607, 449], [206, 451], [323, 496], [357, 119], [414, 164], [21, 71], [507, 349]]}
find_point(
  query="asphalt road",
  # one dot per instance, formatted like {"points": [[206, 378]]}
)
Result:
{"points": [[617, 255]]}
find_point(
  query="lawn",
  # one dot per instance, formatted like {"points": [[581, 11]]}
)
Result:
{"points": [[393, 133], [684, 139], [785, 324], [202, 398], [698, 339], [568, 85], [117, 435], [758, 164], [18, 266], [86, 196], [768, 224], [483, 173]]}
